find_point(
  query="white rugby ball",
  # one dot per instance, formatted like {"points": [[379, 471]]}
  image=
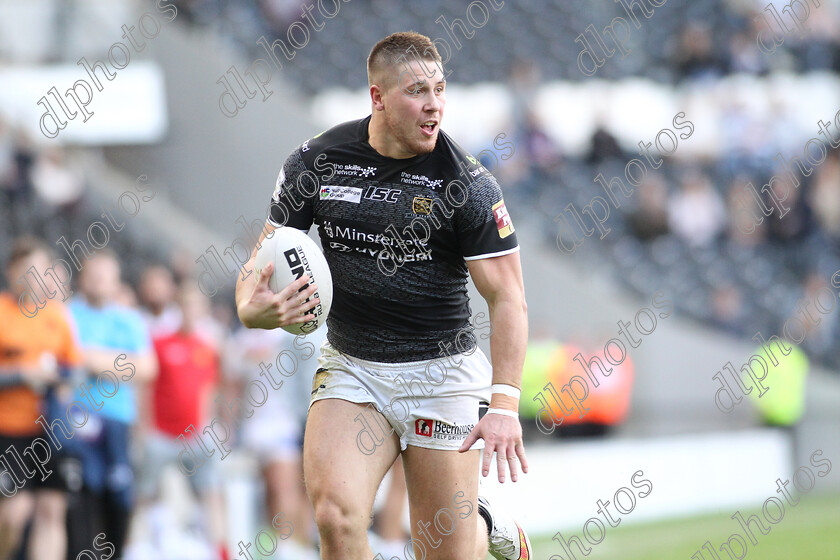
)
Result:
{"points": [[294, 254]]}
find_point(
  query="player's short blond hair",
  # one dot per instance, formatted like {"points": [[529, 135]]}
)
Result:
{"points": [[385, 55]]}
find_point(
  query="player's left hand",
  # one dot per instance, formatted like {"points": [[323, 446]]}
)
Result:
{"points": [[501, 434]]}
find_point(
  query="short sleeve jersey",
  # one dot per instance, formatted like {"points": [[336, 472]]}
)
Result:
{"points": [[119, 329], [188, 371], [396, 234]]}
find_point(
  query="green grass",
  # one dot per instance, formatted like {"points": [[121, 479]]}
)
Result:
{"points": [[809, 531]]}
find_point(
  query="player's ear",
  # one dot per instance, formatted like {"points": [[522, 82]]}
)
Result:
{"points": [[376, 97]]}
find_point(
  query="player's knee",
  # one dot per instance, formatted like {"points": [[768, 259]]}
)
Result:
{"points": [[334, 520]]}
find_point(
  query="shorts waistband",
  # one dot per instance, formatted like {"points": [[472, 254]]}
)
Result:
{"points": [[396, 366]]}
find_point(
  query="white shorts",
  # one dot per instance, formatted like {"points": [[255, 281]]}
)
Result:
{"points": [[431, 403]]}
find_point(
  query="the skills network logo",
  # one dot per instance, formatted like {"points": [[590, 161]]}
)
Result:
{"points": [[420, 180], [354, 170]]}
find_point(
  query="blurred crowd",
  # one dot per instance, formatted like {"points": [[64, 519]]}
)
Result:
{"points": [[122, 383], [684, 40], [37, 184], [707, 230]]}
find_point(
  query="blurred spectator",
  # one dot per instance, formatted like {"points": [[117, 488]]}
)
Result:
{"points": [[182, 396], [728, 311], [797, 223], [33, 353], [25, 155], [7, 157], [649, 219], [157, 293], [537, 155], [108, 330], [57, 182], [603, 145], [818, 46], [274, 433], [825, 196], [744, 56], [696, 213], [126, 296], [823, 334], [524, 77], [183, 265], [783, 404], [539, 152], [747, 139], [782, 123], [16, 160], [744, 229], [279, 14], [540, 148], [157, 296], [695, 57]]}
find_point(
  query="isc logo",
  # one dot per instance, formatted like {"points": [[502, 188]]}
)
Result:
{"points": [[382, 194]]}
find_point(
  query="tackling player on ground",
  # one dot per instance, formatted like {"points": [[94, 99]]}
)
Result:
{"points": [[400, 303]]}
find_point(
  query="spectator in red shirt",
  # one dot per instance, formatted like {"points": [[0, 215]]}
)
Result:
{"points": [[182, 396]]}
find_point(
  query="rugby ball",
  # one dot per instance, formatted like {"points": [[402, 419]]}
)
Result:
{"points": [[294, 254]]}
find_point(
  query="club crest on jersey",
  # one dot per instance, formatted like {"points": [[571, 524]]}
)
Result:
{"points": [[336, 192], [422, 205], [340, 247], [503, 223]]}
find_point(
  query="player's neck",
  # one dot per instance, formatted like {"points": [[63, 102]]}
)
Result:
{"points": [[381, 140]]}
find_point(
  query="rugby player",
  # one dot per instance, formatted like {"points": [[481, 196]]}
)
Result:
{"points": [[398, 306]]}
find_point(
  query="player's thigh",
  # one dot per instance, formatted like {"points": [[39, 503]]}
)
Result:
{"points": [[442, 496], [335, 468]]}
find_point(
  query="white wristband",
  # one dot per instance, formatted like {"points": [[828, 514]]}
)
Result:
{"points": [[503, 412], [509, 390]]}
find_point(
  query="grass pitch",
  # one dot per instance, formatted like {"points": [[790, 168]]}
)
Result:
{"points": [[809, 531]]}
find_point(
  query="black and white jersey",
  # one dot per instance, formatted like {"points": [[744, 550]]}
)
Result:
{"points": [[396, 234]]}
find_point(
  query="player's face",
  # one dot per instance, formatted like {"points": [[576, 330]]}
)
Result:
{"points": [[414, 108]]}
